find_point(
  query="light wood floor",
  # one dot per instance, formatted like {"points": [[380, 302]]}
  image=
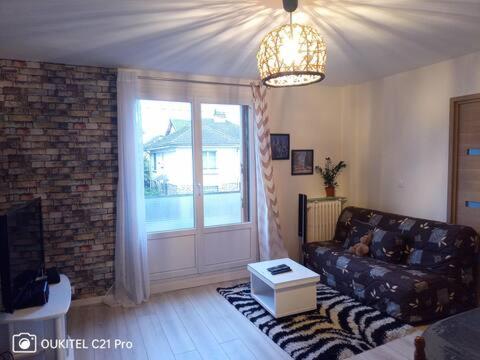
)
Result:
{"points": [[190, 324]]}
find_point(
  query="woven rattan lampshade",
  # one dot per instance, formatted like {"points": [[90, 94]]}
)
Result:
{"points": [[292, 55]]}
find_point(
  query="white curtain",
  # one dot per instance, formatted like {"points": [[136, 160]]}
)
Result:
{"points": [[270, 241], [132, 284]]}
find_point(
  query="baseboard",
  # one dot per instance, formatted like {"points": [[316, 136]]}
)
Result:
{"points": [[94, 300], [161, 286]]}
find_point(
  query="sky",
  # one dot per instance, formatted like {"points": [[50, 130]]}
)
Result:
{"points": [[156, 114]]}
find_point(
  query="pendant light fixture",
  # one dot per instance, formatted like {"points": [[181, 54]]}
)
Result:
{"points": [[292, 54]]}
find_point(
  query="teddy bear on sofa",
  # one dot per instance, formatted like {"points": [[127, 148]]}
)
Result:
{"points": [[363, 247]]}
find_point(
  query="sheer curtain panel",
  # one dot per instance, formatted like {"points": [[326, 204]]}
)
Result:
{"points": [[131, 267]]}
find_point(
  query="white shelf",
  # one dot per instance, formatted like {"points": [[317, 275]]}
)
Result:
{"points": [[267, 300], [60, 298]]}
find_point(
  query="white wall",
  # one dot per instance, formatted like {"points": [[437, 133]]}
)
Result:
{"points": [[177, 175], [228, 167], [311, 115], [396, 137], [392, 132]]}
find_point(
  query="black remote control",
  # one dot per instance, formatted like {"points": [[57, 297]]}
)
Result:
{"points": [[281, 271], [278, 267]]}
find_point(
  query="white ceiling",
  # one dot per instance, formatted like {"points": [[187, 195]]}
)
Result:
{"points": [[366, 39]]}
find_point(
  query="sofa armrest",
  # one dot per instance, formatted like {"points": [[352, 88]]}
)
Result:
{"points": [[310, 249]]}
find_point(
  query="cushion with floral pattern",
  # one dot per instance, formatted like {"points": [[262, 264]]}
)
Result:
{"points": [[387, 246]]}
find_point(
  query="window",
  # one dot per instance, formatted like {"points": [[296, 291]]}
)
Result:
{"points": [[172, 167], [168, 188], [199, 202], [209, 159], [225, 128]]}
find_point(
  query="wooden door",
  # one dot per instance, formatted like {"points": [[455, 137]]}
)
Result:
{"points": [[464, 207]]}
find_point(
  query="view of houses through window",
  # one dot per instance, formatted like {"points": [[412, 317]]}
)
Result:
{"points": [[169, 166]]}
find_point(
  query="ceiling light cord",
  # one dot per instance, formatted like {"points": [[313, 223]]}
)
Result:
{"points": [[290, 6], [291, 24]]}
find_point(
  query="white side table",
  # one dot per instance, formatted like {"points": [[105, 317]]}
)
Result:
{"points": [[284, 294], [56, 308]]}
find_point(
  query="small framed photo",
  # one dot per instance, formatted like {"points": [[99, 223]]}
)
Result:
{"points": [[280, 146], [302, 162]]}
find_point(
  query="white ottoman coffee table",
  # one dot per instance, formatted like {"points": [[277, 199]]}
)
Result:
{"points": [[283, 294]]}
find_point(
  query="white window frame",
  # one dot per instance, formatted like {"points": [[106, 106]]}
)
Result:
{"points": [[197, 94]]}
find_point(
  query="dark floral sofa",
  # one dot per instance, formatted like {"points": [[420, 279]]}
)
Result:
{"points": [[417, 270]]}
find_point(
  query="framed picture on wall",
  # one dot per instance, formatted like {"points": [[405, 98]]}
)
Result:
{"points": [[280, 146], [302, 162]]}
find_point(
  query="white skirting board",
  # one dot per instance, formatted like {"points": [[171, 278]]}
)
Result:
{"points": [[161, 286]]}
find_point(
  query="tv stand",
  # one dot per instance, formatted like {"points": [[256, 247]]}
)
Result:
{"points": [[56, 308]]}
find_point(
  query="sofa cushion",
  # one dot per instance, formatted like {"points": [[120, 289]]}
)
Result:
{"points": [[356, 231], [439, 249], [387, 246]]}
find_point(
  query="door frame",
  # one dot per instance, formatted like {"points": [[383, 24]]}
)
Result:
{"points": [[455, 103], [196, 94]]}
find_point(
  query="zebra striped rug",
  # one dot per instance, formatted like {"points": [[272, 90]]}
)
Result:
{"points": [[340, 327]]}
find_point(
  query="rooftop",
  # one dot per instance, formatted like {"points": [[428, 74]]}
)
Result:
{"points": [[223, 133]]}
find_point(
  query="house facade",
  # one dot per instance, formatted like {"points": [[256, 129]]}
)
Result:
{"points": [[220, 158]]}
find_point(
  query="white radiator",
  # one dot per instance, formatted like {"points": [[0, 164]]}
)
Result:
{"points": [[322, 219]]}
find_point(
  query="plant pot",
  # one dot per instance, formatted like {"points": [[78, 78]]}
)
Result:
{"points": [[330, 191]]}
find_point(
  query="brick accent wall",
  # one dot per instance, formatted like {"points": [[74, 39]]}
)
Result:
{"points": [[58, 140]]}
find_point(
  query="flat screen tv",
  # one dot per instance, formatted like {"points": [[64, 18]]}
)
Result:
{"points": [[21, 252]]}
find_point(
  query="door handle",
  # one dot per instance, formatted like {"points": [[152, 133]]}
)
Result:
{"points": [[472, 204], [473, 152]]}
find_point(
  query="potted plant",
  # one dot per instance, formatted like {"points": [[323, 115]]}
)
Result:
{"points": [[329, 174]]}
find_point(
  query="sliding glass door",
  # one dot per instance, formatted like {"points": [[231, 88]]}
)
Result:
{"points": [[197, 184]]}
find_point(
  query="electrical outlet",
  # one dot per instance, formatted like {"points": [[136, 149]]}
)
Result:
{"points": [[73, 289]]}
